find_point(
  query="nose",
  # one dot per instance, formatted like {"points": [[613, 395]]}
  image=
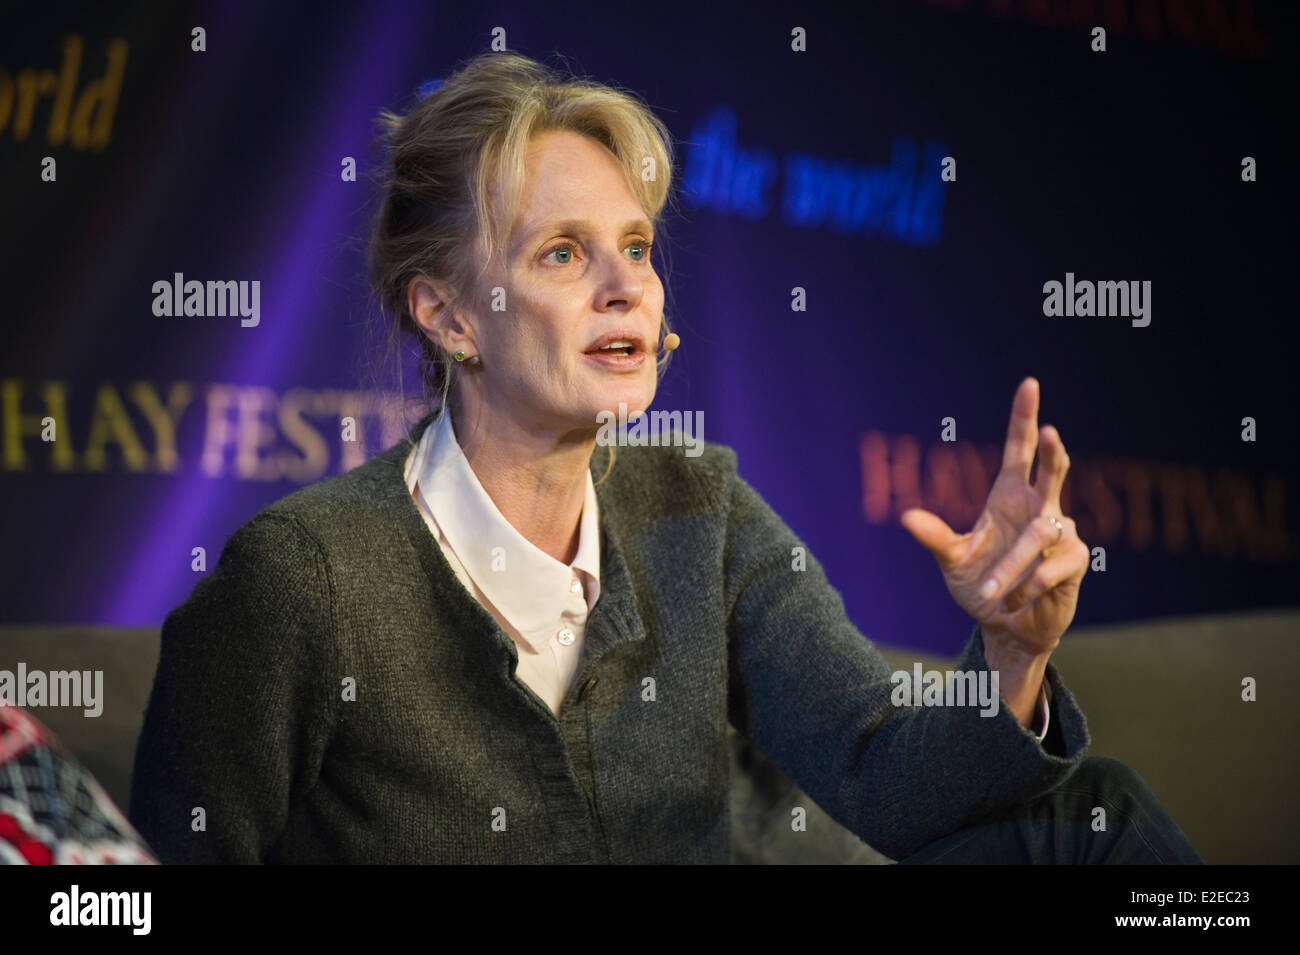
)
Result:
{"points": [[621, 285]]}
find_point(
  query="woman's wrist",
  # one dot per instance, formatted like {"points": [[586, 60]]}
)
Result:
{"points": [[1020, 674]]}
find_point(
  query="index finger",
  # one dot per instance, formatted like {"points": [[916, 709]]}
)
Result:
{"points": [[1022, 431]]}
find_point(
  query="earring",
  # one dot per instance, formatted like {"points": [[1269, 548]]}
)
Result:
{"points": [[474, 359], [459, 356]]}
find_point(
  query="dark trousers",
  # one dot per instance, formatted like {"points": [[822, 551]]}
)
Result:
{"points": [[1058, 827]]}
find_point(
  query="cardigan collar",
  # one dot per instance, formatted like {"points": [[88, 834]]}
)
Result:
{"points": [[534, 595], [616, 618]]}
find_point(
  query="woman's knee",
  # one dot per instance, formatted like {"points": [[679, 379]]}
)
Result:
{"points": [[1113, 784], [1104, 770]]}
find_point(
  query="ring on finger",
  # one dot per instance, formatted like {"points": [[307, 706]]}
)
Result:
{"points": [[1060, 532]]}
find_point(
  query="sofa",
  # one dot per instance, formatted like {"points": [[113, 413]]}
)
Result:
{"points": [[1163, 696]]}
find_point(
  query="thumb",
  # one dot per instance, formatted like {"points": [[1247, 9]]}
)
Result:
{"points": [[932, 533]]}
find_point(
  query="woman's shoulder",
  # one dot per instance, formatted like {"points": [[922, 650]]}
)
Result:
{"points": [[349, 512]]}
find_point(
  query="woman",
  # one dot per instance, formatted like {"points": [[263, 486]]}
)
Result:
{"points": [[501, 642]]}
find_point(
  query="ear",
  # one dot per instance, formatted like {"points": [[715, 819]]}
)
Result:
{"points": [[430, 305]]}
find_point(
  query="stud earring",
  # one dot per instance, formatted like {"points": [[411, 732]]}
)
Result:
{"points": [[459, 356], [473, 360]]}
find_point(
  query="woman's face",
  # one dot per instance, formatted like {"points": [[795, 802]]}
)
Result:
{"points": [[576, 276]]}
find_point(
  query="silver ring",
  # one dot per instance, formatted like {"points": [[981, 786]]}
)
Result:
{"points": [[1060, 532]]}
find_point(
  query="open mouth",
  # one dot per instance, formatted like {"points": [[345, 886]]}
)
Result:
{"points": [[619, 347]]}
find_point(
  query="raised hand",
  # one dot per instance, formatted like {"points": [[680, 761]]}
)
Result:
{"points": [[1018, 570]]}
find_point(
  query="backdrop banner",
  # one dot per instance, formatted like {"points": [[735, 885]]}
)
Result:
{"points": [[885, 220]]}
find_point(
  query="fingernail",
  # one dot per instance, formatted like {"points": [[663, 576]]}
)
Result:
{"points": [[990, 586]]}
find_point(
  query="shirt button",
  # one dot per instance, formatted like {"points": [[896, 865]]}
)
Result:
{"points": [[575, 587], [565, 636]]}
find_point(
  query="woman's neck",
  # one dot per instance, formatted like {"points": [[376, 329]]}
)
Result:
{"points": [[536, 478]]}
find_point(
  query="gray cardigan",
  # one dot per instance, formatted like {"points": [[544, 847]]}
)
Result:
{"points": [[332, 693]]}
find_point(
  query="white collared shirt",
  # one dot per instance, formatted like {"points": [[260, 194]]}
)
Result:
{"points": [[540, 602], [1044, 710]]}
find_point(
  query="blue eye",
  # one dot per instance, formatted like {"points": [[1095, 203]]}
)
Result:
{"points": [[566, 249]]}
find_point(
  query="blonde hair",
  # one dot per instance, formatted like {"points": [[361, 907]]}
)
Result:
{"points": [[444, 157]]}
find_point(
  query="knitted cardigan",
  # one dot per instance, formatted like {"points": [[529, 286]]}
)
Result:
{"points": [[332, 693]]}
